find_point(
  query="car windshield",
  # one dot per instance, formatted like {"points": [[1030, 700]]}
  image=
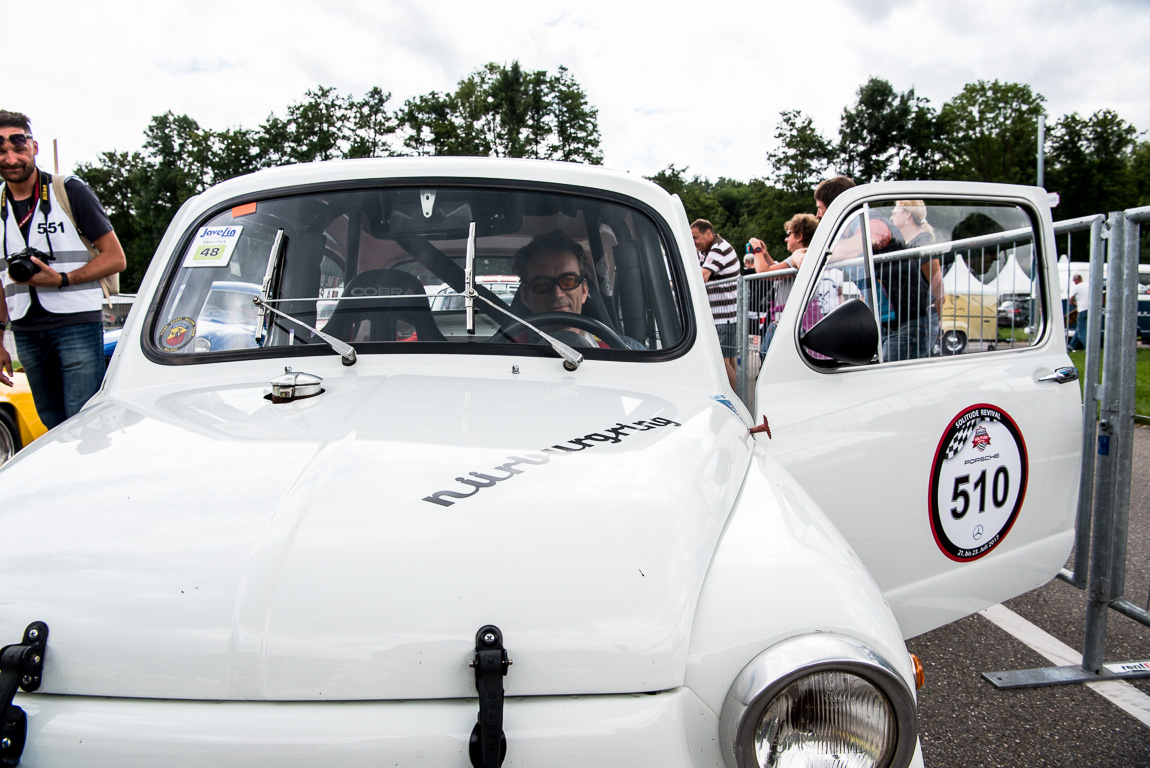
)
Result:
{"points": [[384, 269]]}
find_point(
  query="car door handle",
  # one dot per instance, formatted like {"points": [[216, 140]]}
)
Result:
{"points": [[1061, 376]]}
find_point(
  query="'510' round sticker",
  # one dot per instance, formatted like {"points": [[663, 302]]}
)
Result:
{"points": [[978, 482]]}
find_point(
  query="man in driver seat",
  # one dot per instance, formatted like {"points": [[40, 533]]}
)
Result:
{"points": [[552, 279]]}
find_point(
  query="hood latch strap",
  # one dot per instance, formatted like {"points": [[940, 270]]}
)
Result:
{"points": [[488, 744], [20, 667]]}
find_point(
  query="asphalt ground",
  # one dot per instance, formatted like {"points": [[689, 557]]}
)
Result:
{"points": [[965, 721]]}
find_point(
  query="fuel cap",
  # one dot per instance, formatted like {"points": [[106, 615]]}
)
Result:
{"points": [[295, 385]]}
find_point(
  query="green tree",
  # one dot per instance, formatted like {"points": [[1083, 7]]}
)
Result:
{"points": [[317, 128], [738, 210], [887, 135], [803, 155], [990, 130], [373, 126], [1090, 163], [574, 122], [505, 112], [116, 179], [177, 157]]}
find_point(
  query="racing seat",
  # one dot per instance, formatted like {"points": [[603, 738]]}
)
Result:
{"points": [[383, 305]]}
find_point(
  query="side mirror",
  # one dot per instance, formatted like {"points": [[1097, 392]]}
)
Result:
{"points": [[847, 335]]}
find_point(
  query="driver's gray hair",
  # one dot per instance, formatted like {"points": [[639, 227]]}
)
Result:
{"points": [[555, 241]]}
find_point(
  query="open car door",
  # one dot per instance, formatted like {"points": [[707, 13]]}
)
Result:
{"points": [[944, 444]]}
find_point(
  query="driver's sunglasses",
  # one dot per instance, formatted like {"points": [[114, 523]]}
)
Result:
{"points": [[568, 281], [17, 140]]}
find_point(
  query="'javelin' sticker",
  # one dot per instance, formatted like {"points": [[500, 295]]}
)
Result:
{"points": [[977, 483]]}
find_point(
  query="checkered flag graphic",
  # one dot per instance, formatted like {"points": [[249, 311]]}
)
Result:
{"points": [[960, 437]]}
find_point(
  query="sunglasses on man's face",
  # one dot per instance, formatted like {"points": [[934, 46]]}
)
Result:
{"points": [[568, 281], [17, 140]]}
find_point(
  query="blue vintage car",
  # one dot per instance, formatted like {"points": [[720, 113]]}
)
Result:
{"points": [[227, 320]]}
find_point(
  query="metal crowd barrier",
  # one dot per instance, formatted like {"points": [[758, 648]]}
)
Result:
{"points": [[1107, 452]]}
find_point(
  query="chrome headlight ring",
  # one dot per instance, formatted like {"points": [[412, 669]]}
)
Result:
{"points": [[816, 679]]}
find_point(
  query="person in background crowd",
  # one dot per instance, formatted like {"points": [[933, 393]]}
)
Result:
{"points": [[56, 310], [910, 218], [799, 231], [719, 261], [1080, 300]]}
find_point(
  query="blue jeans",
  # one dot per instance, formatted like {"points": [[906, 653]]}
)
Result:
{"points": [[64, 368], [908, 341], [1079, 340]]}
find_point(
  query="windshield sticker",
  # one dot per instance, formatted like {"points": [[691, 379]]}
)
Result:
{"points": [[516, 465], [978, 482], [213, 246], [177, 334]]}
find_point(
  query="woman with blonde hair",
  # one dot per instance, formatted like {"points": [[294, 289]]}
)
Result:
{"points": [[913, 297]]}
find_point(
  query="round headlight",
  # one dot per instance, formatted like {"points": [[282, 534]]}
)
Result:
{"points": [[827, 718], [819, 700]]}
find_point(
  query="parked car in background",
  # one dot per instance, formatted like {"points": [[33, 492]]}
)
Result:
{"points": [[226, 321], [19, 422], [428, 535], [228, 318], [967, 318], [111, 338], [1014, 313]]}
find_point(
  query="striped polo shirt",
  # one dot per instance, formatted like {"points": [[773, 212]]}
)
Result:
{"points": [[723, 262]]}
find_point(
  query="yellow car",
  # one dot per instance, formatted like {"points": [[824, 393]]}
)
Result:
{"points": [[19, 422], [967, 319]]}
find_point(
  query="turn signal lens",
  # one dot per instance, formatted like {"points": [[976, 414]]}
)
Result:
{"points": [[827, 718], [919, 672]]}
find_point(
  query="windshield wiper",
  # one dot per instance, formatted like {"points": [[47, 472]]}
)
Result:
{"points": [[269, 274], [469, 279], [571, 358], [345, 350]]}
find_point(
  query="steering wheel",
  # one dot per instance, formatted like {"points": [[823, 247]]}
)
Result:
{"points": [[568, 319]]}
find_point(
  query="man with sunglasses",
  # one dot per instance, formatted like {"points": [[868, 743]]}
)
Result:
{"points": [[552, 279], [55, 312]]}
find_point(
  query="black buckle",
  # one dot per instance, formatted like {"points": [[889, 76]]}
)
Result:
{"points": [[488, 745], [21, 666]]}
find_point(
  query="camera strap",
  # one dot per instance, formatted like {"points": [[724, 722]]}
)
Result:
{"points": [[45, 206]]}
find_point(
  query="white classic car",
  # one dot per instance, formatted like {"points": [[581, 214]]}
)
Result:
{"points": [[541, 533]]}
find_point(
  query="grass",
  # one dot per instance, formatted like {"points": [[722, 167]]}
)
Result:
{"points": [[1141, 383]]}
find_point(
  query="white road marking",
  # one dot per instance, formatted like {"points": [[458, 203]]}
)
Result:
{"points": [[1122, 695]]}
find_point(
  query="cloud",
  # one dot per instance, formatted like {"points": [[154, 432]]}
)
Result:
{"points": [[673, 82]]}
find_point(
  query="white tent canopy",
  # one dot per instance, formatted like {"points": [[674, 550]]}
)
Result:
{"points": [[1012, 280], [960, 281]]}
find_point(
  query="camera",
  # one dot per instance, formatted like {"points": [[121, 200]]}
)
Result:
{"points": [[21, 267]]}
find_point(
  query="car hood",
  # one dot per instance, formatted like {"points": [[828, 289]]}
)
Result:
{"points": [[209, 544]]}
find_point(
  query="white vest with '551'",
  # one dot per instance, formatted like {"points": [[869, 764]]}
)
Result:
{"points": [[69, 252]]}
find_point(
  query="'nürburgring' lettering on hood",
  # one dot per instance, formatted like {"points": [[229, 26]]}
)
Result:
{"points": [[515, 464]]}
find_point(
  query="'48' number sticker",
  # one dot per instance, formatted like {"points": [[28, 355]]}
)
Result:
{"points": [[978, 482]]}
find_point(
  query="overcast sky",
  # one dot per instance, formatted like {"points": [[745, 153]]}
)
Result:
{"points": [[695, 84]]}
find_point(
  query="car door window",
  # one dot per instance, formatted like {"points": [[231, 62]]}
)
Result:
{"points": [[940, 277]]}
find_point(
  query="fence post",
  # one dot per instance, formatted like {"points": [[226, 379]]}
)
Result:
{"points": [[741, 340], [1089, 407], [1129, 350], [1112, 430]]}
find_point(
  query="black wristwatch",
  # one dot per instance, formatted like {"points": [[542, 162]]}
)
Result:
{"points": [[64, 281]]}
